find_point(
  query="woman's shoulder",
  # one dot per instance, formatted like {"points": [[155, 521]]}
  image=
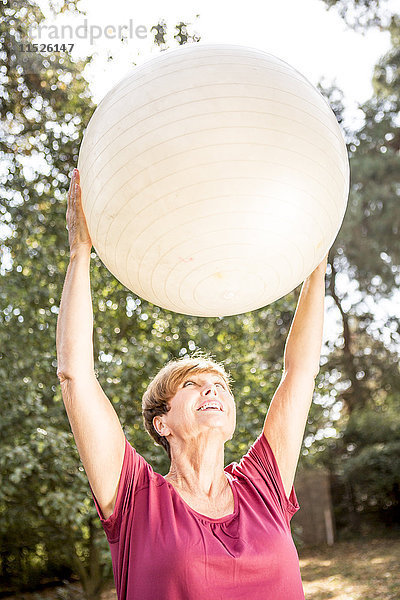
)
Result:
{"points": [[253, 454]]}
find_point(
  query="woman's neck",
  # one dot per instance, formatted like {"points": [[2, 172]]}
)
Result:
{"points": [[198, 469]]}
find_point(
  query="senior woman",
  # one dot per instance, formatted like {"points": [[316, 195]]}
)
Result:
{"points": [[202, 531]]}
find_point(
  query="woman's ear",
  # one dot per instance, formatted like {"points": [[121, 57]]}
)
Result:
{"points": [[160, 426]]}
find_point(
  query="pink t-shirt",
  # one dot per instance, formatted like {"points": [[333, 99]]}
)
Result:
{"points": [[162, 549]]}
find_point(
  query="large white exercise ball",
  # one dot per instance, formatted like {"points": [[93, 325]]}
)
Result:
{"points": [[215, 179]]}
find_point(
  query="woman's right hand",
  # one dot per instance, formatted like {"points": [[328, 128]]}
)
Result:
{"points": [[78, 232]]}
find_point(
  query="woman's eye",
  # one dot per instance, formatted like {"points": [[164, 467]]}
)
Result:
{"points": [[222, 385], [192, 382]]}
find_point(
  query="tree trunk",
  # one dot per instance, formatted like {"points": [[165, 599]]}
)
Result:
{"points": [[90, 574], [354, 395]]}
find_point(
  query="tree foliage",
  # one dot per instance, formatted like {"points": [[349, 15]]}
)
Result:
{"points": [[364, 460], [363, 14]]}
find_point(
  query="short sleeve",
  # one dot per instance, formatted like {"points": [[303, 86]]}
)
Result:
{"points": [[260, 463], [134, 475]]}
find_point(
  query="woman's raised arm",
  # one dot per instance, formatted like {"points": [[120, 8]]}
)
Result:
{"points": [[95, 425], [286, 420]]}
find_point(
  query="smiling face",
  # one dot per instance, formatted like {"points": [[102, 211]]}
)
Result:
{"points": [[201, 405]]}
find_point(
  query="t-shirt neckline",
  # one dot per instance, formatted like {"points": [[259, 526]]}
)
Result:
{"points": [[206, 517]]}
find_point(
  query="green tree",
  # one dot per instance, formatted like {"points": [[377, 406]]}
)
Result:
{"points": [[362, 14], [44, 104], [364, 362]]}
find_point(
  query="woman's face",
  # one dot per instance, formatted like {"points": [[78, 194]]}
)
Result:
{"points": [[201, 404]]}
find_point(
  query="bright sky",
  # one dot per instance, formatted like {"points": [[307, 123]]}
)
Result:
{"points": [[303, 33]]}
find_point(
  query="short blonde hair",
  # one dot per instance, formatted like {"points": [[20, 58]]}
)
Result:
{"points": [[165, 384]]}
